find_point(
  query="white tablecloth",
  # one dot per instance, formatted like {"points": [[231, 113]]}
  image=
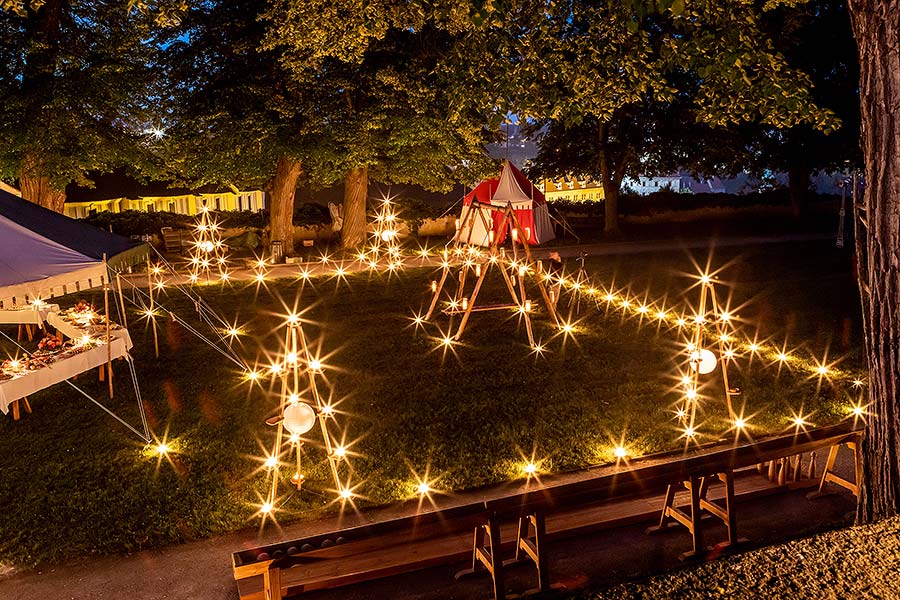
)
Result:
{"points": [[74, 332], [28, 315], [65, 368]]}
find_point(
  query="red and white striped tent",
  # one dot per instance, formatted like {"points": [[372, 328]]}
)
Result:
{"points": [[512, 189]]}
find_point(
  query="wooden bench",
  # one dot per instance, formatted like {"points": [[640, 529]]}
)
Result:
{"points": [[517, 523]]}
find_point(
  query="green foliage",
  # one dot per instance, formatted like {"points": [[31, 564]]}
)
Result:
{"points": [[137, 222], [414, 212], [386, 81], [636, 88], [77, 81]]}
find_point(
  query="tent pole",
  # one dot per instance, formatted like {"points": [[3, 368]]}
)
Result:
{"points": [[108, 337], [121, 299], [152, 316]]}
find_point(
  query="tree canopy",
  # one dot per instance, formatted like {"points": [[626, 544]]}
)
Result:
{"points": [[656, 88], [77, 82]]}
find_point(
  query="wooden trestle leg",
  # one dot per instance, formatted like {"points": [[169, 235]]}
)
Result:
{"points": [[533, 549], [486, 555], [829, 475], [699, 487], [272, 583]]}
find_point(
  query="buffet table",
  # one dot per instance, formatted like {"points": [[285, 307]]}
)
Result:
{"points": [[28, 381], [30, 314], [76, 331]]}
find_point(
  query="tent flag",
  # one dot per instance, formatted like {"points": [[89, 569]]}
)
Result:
{"points": [[512, 188]]}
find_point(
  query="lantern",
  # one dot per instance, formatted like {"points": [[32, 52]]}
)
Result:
{"points": [[704, 361], [299, 417]]}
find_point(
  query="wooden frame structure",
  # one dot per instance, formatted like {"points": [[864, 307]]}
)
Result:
{"points": [[352, 555], [709, 305], [480, 263], [295, 367]]}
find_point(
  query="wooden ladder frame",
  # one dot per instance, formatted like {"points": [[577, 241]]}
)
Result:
{"points": [[709, 303], [698, 486], [495, 258]]}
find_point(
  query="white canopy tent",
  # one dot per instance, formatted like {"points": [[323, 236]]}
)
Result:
{"points": [[33, 266]]}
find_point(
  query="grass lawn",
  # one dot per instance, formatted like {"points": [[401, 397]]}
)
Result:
{"points": [[73, 482]]}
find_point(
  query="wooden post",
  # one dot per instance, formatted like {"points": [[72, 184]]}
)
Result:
{"points": [[152, 315], [121, 300], [272, 583], [108, 336]]}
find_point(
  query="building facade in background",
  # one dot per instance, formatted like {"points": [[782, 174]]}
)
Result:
{"points": [[181, 203], [571, 189]]}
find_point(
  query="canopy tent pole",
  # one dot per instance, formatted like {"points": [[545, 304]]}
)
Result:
{"points": [[109, 370], [121, 299], [152, 316]]}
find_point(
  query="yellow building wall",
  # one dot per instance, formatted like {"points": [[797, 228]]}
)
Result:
{"points": [[187, 204], [572, 190]]}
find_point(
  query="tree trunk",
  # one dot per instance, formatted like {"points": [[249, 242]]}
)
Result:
{"points": [[281, 206], [610, 184], [798, 188], [876, 26], [356, 189], [37, 188]]}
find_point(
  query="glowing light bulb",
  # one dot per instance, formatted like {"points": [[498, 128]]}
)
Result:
{"points": [[620, 452], [346, 494], [661, 315], [315, 364], [782, 357], [260, 277], [327, 410], [447, 341], [530, 468], [691, 394], [739, 423], [680, 413], [294, 439], [294, 398], [857, 383], [798, 421], [271, 462], [643, 309], [567, 328], [266, 508], [162, 448], [423, 488], [858, 411], [681, 322], [753, 347], [689, 432], [252, 375], [704, 279], [234, 332], [291, 358], [686, 380], [340, 451], [610, 298], [538, 349], [822, 370], [725, 316]]}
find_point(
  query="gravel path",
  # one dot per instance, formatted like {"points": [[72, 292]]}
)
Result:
{"points": [[856, 562]]}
